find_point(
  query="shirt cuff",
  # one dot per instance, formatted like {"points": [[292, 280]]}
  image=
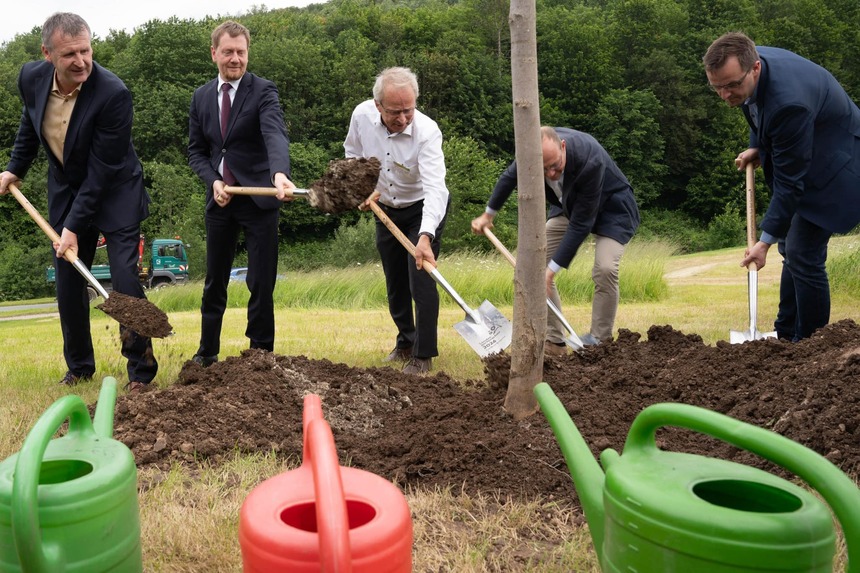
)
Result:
{"points": [[768, 238], [489, 211], [554, 266]]}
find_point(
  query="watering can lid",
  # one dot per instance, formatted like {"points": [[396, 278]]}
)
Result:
{"points": [[717, 510]]}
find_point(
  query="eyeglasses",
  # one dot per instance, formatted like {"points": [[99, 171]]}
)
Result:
{"points": [[396, 112], [731, 85]]}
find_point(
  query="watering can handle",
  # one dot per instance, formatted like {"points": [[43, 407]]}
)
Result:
{"points": [[320, 453], [25, 504], [828, 480]]}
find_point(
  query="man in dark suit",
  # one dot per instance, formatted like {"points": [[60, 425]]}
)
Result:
{"points": [[82, 115], [587, 194], [237, 136], [805, 133]]}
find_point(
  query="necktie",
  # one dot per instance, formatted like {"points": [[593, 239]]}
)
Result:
{"points": [[226, 174]]}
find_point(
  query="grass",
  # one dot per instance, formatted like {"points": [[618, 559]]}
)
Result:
{"points": [[189, 517]]}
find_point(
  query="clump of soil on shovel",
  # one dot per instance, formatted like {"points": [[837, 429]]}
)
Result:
{"points": [[435, 431], [138, 314], [346, 184]]}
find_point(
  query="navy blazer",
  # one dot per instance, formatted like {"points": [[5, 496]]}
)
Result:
{"points": [[809, 143], [256, 146], [595, 195], [100, 179]]}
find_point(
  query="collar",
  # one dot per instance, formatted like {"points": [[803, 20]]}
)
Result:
{"points": [[56, 88], [234, 83], [408, 131]]}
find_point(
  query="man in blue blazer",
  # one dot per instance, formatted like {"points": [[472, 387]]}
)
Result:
{"points": [[587, 194], [805, 133], [81, 114], [237, 137]]}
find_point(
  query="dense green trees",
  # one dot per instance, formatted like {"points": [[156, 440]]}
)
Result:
{"points": [[628, 71]]}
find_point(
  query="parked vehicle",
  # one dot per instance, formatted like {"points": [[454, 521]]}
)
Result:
{"points": [[165, 264], [239, 274]]}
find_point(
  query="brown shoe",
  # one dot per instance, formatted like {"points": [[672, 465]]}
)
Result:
{"points": [[136, 387], [399, 355], [555, 348], [418, 365]]}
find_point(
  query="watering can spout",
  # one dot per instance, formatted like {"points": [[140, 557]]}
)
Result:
{"points": [[584, 469], [104, 414]]}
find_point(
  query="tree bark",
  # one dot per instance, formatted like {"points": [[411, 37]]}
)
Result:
{"points": [[529, 328]]}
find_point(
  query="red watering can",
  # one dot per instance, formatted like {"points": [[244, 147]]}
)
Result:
{"points": [[324, 517]]}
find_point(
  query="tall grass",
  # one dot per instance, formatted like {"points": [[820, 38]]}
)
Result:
{"points": [[843, 266], [474, 276]]}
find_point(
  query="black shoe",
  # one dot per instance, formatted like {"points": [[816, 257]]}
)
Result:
{"points": [[70, 379], [399, 355], [418, 365], [204, 361]]}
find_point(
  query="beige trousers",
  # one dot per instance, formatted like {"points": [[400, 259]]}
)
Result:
{"points": [[604, 273]]}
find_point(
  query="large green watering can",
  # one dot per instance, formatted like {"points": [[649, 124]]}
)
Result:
{"points": [[659, 511], [70, 504]]}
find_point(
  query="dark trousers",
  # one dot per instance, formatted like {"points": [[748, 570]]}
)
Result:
{"points": [[73, 304], [804, 290], [404, 283], [260, 227]]}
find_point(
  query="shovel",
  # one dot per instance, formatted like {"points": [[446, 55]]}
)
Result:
{"points": [[344, 186], [572, 339], [138, 314], [737, 337], [486, 330]]}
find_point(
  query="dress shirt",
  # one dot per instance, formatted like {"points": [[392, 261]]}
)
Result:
{"points": [[58, 112], [413, 167]]}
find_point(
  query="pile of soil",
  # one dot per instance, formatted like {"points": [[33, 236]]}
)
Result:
{"points": [[436, 431]]}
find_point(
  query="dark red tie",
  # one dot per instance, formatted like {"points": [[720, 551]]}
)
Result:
{"points": [[227, 175]]}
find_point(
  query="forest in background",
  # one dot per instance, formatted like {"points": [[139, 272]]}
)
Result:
{"points": [[627, 71]]}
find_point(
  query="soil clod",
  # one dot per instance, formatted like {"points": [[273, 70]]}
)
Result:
{"points": [[345, 185], [138, 314]]}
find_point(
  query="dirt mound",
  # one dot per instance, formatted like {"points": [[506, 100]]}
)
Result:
{"points": [[433, 430]]}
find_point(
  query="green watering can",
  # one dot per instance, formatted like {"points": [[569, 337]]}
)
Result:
{"points": [[70, 504], [659, 511]]}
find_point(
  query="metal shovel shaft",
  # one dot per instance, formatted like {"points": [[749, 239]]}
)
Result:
{"points": [[55, 238], [572, 340]]}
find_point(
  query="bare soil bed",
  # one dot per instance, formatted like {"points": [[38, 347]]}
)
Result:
{"points": [[436, 431]]}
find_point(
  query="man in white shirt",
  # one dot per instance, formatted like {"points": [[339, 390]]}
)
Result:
{"points": [[412, 192]]}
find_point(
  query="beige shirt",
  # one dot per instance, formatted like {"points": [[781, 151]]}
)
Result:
{"points": [[58, 112]]}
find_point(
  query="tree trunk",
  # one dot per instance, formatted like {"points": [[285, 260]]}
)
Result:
{"points": [[529, 329]]}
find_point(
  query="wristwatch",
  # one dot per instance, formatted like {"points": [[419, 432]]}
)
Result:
{"points": [[431, 236]]}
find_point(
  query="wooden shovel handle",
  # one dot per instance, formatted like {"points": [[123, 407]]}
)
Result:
{"points": [[267, 191], [751, 230], [502, 249], [398, 234], [43, 224]]}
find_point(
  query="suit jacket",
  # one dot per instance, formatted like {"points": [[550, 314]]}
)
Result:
{"points": [[100, 180], [595, 195], [808, 136], [256, 145]]}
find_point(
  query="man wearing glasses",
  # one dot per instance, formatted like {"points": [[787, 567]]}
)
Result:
{"points": [[587, 193], [412, 192], [805, 133]]}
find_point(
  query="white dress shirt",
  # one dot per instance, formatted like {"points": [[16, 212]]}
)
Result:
{"points": [[413, 167]]}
